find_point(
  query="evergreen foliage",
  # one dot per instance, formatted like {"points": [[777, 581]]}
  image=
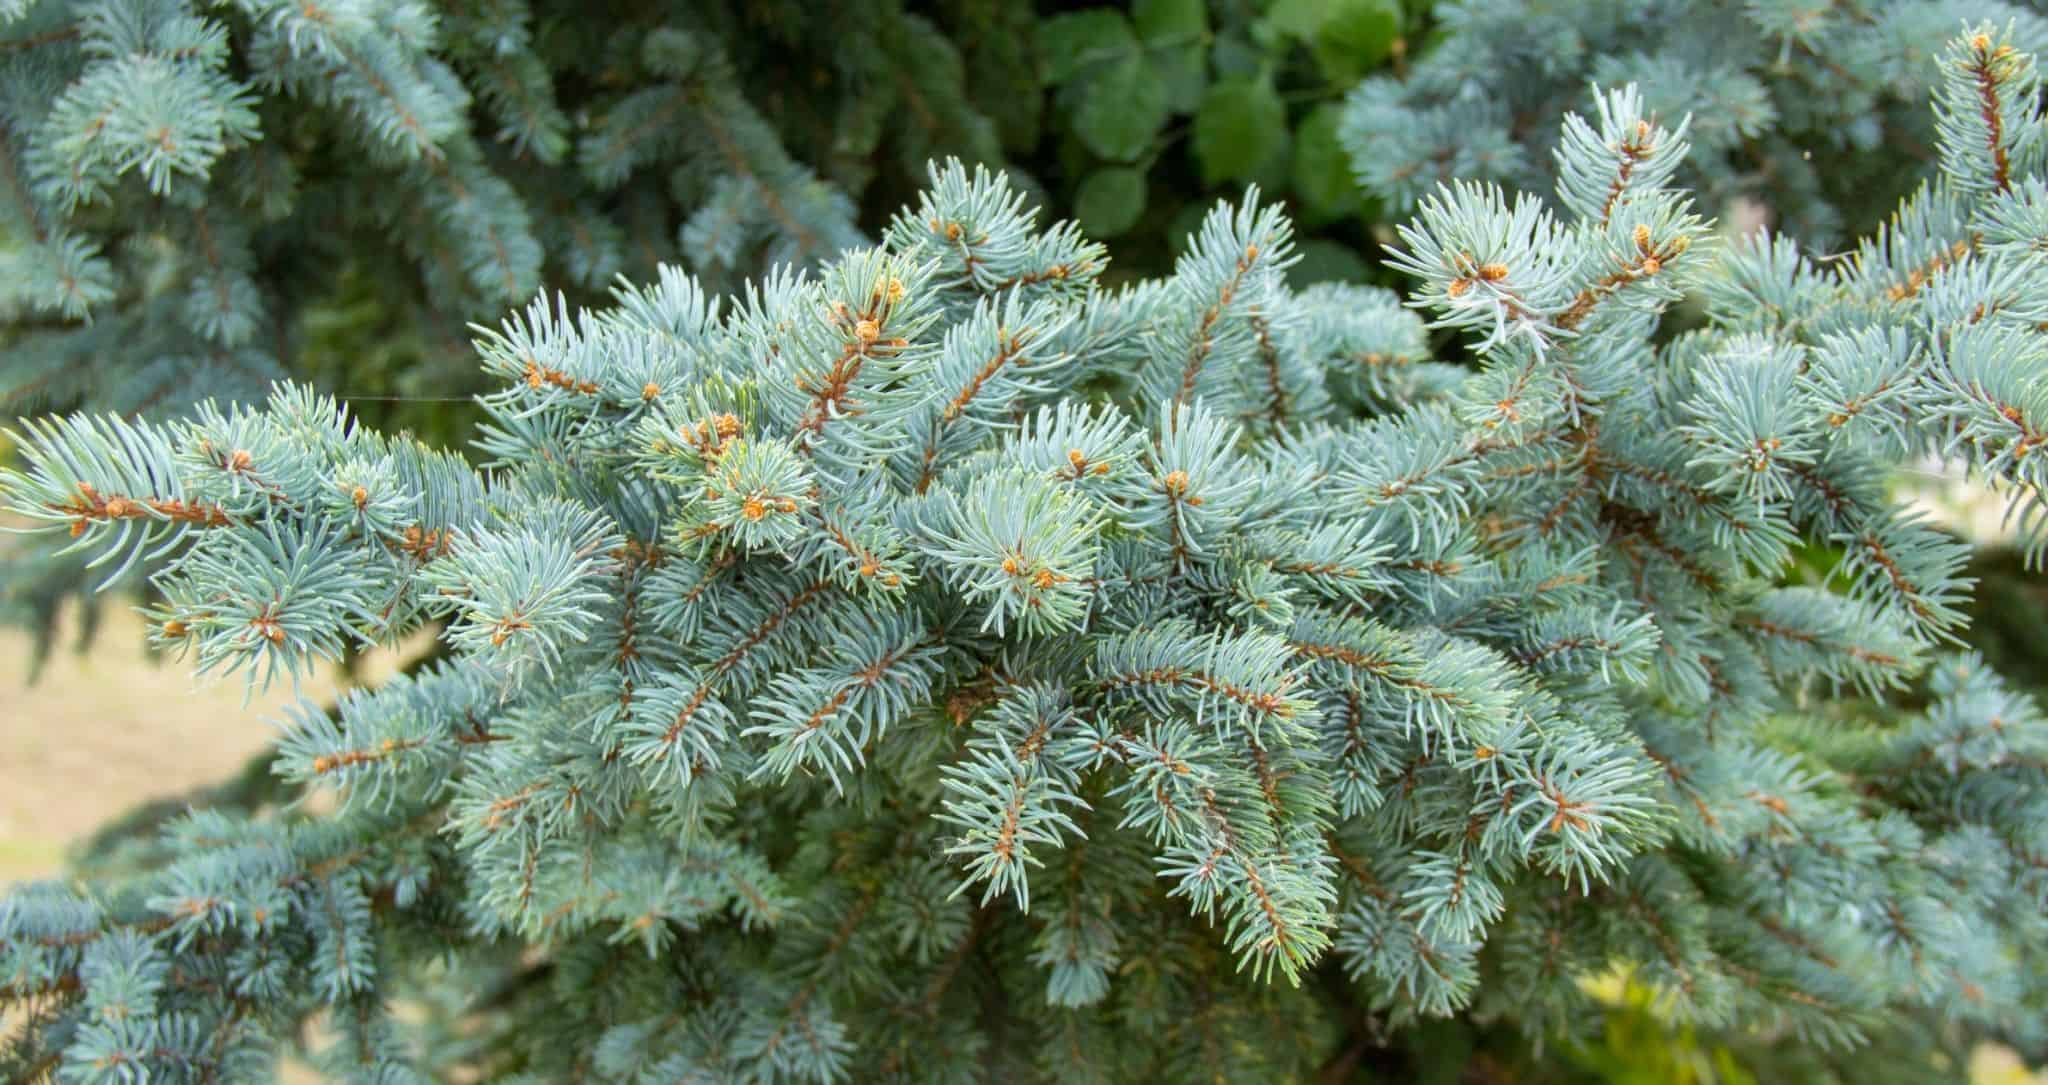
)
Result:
{"points": [[197, 199], [190, 188], [189, 180], [943, 665], [1812, 113]]}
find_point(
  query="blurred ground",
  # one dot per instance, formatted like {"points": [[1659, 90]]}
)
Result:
{"points": [[76, 751], [76, 754]]}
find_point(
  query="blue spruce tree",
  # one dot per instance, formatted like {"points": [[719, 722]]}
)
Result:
{"points": [[945, 666], [199, 199]]}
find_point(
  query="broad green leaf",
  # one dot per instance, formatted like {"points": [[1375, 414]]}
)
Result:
{"points": [[1356, 37], [1240, 127], [1110, 200], [1232, 55], [1347, 37], [1084, 42], [1122, 110], [1322, 169], [1297, 18], [1175, 37], [1169, 22]]}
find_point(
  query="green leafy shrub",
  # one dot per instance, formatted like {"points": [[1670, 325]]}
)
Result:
{"points": [[1174, 98]]}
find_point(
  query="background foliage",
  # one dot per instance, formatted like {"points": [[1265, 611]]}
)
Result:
{"points": [[1806, 115], [202, 198]]}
